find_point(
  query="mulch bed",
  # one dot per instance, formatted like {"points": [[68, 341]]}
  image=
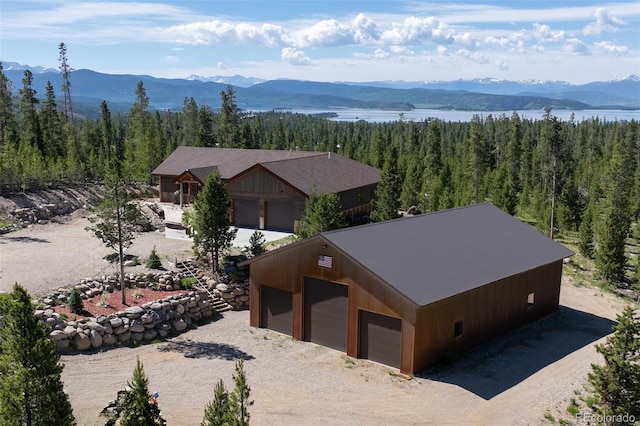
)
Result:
{"points": [[113, 302]]}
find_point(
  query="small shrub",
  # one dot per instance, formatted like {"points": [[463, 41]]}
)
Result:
{"points": [[549, 417], [137, 294], [153, 261], [104, 302], [188, 282], [573, 409], [76, 305], [256, 245]]}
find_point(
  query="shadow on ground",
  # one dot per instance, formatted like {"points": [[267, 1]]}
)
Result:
{"points": [[24, 240], [209, 350], [500, 364]]}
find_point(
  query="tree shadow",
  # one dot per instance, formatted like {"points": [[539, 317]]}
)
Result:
{"points": [[209, 350], [498, 365], [26, 240]]}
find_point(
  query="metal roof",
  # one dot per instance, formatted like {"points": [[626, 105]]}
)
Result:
{"points": [[433, 256], [305, 170]]}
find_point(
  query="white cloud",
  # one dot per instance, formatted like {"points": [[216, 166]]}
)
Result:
{"points": [[576, 47], [502, 65], [605, 22], [365, 30], [472, 56], [416, 30], [294, 56], [402, 50], [609, 47], [544, 33], [324, 33]]}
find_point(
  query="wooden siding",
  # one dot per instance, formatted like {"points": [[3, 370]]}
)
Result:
{"points": [[167, 187], [486, 312], [287, 270], [258, 183]]}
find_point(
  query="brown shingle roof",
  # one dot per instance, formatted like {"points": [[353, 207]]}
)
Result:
{"points": [[302, 169], [433, 256]]}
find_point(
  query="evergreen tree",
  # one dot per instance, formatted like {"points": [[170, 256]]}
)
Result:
{"points": [[139, 407], [65, 72], [256, 244], [386, 201], [217, 412], [617, 382], [239, 401], [614, 218], [30, 130], [76, 305], [153, 261], [52, 132], [117, 220], [321, 213], [585, 244], [31, 390], [229, 129], [8, 126], [478, 156], [212, 231], [411, 186]]}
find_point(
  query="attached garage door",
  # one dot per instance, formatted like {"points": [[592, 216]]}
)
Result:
{"points": [[280, 215], [326, 306], [276, 310], [380, 338], [246, 213]]}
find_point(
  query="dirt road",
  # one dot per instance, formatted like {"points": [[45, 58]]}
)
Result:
{"points": [[512, 380]]}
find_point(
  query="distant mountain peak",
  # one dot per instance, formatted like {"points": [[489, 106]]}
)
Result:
{"points": [[14, 66], [234, 80]]}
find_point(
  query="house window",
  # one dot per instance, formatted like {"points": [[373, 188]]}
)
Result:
{"points": [[530, 299], [457, 329]]}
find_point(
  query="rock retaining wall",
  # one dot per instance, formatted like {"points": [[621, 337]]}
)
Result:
{"points": [[173, 314], [154, 320]]}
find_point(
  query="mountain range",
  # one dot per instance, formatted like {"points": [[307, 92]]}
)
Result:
{"points": [[89, 88]]}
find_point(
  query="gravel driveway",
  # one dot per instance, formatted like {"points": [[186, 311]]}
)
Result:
{"points": [[512, 380]]}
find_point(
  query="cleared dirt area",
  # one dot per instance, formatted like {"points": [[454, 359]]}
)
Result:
{"points": [[512, 380]]}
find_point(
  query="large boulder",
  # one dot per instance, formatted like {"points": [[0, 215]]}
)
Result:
{"points": [[82, 342]]}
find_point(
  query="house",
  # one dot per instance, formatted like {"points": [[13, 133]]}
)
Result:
{"points": [[410, 291], [268, 188]]}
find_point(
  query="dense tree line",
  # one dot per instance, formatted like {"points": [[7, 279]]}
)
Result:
{"points": [[559, 175]]}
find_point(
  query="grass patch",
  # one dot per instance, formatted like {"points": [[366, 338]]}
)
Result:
{"points": [[549, 417], [188, 282]]}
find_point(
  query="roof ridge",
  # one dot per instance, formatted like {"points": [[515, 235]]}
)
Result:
{"points": [[406, 218]]}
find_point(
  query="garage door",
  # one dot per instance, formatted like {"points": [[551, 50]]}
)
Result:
{"points": [[280, 216], [380, 338], [246, 213], [276, 310], [326, 305]]}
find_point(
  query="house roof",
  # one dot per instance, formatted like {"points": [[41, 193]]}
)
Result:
{"points": [[433, 256], [304, 170]]}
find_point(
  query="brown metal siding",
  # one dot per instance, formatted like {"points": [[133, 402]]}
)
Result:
{"points": [[486, 312], [326, 306], [276, 310], [380, 338]]}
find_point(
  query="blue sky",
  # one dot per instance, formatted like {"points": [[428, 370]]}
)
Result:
{"points": [[358, 40]]}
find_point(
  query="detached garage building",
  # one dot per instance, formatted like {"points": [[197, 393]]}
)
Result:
{"points": [[410, 291], [268, 188]]}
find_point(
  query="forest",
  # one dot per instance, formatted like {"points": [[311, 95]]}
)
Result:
{"points": [[580, 177]]}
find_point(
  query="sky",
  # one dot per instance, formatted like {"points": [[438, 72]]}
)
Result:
{"points": [[359, 40]]}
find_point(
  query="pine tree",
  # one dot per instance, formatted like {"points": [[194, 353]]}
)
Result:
{"points": [[411, 186], [229, 119], [585, 244], [76, 305], [139, 407], [614, 218], [153, 261], [321, 213], [239, 401], [217, 412], [617, 382], [256, 244], [31, 390], [386, 201], [212, 231], [117, 220]]}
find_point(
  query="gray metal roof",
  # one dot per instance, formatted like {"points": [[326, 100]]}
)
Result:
{"points": [[433, 256], [305, 170]]}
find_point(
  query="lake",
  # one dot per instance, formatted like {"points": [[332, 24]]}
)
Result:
{"points": [[378, 116]]}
